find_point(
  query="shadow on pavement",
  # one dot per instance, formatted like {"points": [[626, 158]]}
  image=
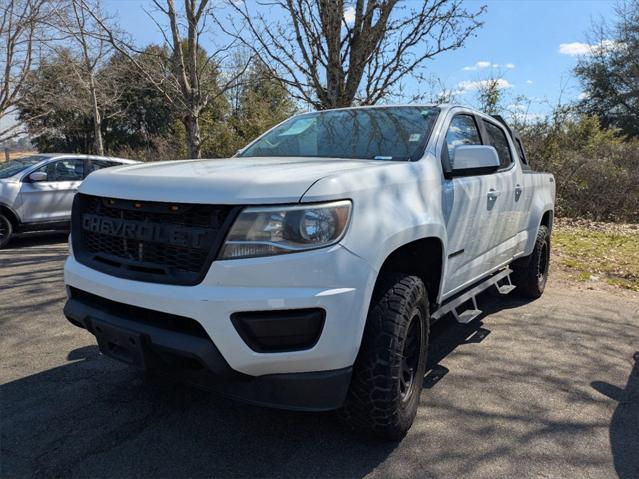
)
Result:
{"points": [[447, 335], [624, 427], [96, 418], [38, 239]]}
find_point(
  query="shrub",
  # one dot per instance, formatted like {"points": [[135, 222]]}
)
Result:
{"points": [[597, 172]]}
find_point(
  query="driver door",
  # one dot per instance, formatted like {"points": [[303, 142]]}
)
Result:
{"points": [[51, 199], [471, 211]]}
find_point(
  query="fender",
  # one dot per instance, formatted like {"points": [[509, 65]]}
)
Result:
{"points": [[420, 232], [534, 223], [11, 210]]}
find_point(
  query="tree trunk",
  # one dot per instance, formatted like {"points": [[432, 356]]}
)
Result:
{"points": [[194, 141], [97, 118]]}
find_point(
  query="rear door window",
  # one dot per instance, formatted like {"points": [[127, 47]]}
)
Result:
{"points": [[96, 165], [498, 139]]}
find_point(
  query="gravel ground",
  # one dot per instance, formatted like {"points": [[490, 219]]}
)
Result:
{"points": [[542, 389]]}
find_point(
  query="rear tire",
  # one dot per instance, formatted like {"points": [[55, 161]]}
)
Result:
{"points": [[389, 370], [530, 274], [6, 230]]}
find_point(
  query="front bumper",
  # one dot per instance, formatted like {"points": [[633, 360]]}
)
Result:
{"points": [[196, 360], [333, 279]]}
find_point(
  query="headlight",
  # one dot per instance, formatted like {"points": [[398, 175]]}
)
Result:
{"points": [[266, 231]]}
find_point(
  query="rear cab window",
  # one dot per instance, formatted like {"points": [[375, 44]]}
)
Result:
{"points": [[521, 153]]}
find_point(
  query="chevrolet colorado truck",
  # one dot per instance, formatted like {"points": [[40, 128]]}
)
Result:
{"points": [[305, 272]]}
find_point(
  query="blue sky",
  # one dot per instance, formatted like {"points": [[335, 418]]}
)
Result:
{"points": [[527, 35], [522, 37]]}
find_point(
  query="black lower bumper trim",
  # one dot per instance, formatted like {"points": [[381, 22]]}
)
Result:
{"points": [[197, 360]]}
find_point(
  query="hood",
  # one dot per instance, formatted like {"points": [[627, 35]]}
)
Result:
{"points": [[226, 181]]}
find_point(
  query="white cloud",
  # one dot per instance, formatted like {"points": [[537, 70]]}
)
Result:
{"points": [[574, 48], [349, 15], [578, 48], [466, 86], [480, 65], [529, 82], [583, 95], [477, 66]]}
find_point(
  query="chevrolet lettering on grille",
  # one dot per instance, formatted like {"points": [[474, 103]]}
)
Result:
{"points": [[146, 231]]}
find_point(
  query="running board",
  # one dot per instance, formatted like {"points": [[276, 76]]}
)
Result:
{"points": [[505, 288], [468, 315]]}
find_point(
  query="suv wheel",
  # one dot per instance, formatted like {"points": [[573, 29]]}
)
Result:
{"points": [[530, 274], [6, 230], [389, 369]]}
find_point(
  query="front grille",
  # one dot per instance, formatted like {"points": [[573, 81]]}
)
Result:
{"points": [[172, 243]]}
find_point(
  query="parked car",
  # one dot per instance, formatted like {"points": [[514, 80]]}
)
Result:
{"points": [[305, 272], [36, 192]]}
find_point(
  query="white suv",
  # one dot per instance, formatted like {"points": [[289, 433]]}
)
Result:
{"points": [[305, 272], [36, 192]]}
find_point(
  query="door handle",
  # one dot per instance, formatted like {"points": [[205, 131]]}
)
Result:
{"points": [[518, 189], [493, 194]]}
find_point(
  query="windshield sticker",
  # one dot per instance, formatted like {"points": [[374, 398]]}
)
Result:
{"points": [[414, 137]]}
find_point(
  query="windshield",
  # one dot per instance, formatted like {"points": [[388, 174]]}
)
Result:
{"points": [[389, 133], [13, 167]]}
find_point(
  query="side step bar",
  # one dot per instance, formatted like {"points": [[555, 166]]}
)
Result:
{"points": [[468, 315]]}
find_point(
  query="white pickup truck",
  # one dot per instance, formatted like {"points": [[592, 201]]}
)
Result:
{"points": [[305, 272]]}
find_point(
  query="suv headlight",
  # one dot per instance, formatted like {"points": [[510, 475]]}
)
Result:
{"points": [[266, 231]]}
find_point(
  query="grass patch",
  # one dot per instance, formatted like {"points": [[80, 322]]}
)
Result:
{"points": [[590, 252]]}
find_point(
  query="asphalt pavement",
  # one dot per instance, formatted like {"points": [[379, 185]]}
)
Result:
{"points": [[548, 388]]}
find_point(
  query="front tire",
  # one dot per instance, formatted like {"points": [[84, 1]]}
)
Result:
{"points": [[389, 370], [6, 231], [530, 274]]}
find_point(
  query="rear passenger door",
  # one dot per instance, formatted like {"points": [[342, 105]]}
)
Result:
{"points": [[509, 198]]}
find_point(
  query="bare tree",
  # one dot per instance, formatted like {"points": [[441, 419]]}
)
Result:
{"points": [[78, 23], [333, 53], [20, 43], [188, 77]]}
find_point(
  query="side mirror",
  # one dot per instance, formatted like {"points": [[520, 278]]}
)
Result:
{"points": [[475, 159], [38, 176]]}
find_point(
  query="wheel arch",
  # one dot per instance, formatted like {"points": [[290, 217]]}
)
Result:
{"points": [[543, 216], [422, 257], [10, 214], [547, 219]]}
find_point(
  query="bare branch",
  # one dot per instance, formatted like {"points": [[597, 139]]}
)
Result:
{"points": [[331, 62]]}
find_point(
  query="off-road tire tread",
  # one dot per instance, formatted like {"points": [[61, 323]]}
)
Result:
{"points": [[373, 403], [525, 272]]}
